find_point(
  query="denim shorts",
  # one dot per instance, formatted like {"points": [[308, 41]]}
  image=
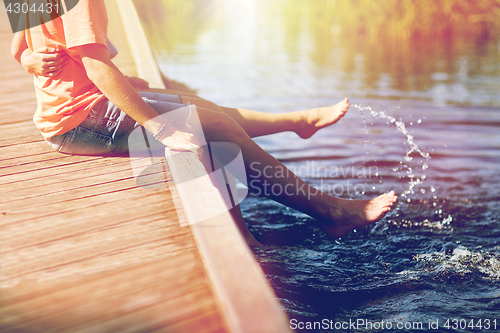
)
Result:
{"points": [[106, 130]]}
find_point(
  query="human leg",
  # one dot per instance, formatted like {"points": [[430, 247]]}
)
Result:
{"points": [[305, 122], [264, 173]]}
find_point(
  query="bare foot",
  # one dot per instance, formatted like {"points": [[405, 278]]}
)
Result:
{"points": [[352, 214], [313, 120]]}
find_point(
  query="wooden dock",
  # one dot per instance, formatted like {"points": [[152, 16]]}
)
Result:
{"points": [[84, 249]]}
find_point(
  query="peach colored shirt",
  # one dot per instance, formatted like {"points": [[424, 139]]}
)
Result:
{"points": [[65, 100]]}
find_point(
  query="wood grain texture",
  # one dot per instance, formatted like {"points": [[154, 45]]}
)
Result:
{"points": [[247, 301], [82, 247]]}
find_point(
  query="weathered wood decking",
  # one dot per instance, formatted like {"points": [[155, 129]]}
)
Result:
{"points": [[83, 248]]}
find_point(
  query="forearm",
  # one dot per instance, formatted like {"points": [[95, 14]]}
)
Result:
{"points": [[115, 86], [18, 46], [26, 61]]}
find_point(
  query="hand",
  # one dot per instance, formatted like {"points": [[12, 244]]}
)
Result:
{"points": [[138, 83], [181, 141], [45, 61]]}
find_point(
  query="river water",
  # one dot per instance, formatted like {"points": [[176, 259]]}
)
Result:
{"points": [[424, 122]]}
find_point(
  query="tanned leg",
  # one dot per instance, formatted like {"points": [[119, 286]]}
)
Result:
{"points": [[264, 172], [305, 123]]}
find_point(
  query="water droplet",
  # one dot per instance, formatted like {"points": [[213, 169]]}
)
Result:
{"points": [[433, 189], [412, 149], [408, 200], [373, 187], [411, 123], [422, 190]]}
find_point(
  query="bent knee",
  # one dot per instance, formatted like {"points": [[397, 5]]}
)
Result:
{"points": [[220, 126]]}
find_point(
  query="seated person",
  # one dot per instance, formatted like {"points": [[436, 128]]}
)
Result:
{"points": [[87, 106]]}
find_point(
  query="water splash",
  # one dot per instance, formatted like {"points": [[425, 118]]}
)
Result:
{"points": [[414, 148], [460, 261]]}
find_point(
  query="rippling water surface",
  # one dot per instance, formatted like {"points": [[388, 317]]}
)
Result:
{"points": [[437, 255]]}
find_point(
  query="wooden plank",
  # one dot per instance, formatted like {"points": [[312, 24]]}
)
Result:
{"points": [[247, 301], [27, 233], [14, 141], [121, 298], [64, 170], [44, 162], [23, 152], [51, 210], [83, 247], [71, 181], [124, 60], [129, 272], [145, 62], [18, 129]]}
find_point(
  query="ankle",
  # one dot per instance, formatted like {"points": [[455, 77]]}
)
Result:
{"points": [[298, 121]]}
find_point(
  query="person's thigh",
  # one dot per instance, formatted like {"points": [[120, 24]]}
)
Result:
{"points": [[218, 126], [188, 97], [201, 103]]}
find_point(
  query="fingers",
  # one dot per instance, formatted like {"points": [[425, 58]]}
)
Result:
{"points": [[55, 72], [181, 141], [49, 54], [55, 66], [53, 69], [46, 49], [55, 57]]}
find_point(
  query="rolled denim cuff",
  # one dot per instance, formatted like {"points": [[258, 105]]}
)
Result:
{"points": [[174, 120]]}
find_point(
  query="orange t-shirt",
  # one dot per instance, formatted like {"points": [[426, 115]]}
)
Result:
{"points": [[64, 101]]}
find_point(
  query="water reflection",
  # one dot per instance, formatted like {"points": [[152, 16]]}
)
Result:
{"points": [[338, 52], [284, 55]]}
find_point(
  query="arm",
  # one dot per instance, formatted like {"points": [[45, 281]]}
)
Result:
{"points": [[18, 45], [45, 61], [115, 86]]}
